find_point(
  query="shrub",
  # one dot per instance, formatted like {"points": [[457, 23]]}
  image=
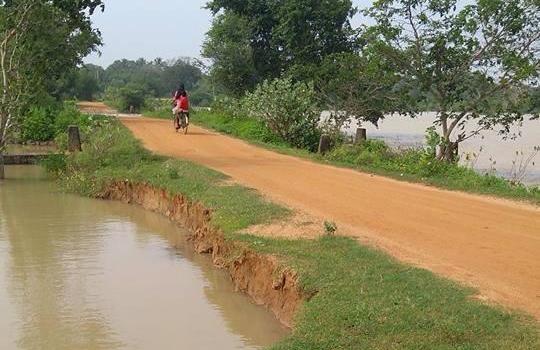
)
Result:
{"points": [[229, 105], [38, 125], [201, 98], [368, 153], [69, 115], [288, 109], [125, 97], [61, 141], [55, 163], [107, 145]]}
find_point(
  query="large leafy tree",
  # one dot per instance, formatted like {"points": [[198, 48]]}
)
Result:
{"points": [[473, 62], [158, 77], [261, 39], [229, 47], [255, 21], [84, 83], [309, 31], [39, 41], [361, 86]]}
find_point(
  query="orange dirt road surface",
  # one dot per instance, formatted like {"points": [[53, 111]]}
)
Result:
{"points": [[488, 243], [95, 107]]}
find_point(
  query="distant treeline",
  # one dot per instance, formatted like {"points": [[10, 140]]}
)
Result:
{"points": [[157, 78]]}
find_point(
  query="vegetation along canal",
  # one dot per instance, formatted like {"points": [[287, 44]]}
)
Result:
{"points": [[77, 273]]}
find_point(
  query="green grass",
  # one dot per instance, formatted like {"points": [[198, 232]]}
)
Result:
{"points": [[112, 153], [375, 157], [416, 166], [366, 300], [363, 299], [162, 113]]}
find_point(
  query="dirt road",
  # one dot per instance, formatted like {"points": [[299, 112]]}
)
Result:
{"points": [[491, 244]]}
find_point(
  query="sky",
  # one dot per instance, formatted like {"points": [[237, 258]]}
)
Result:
{"points": [[156, 28]]}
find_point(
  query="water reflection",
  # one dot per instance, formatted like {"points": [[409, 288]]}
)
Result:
{"points": [[84, 274]]}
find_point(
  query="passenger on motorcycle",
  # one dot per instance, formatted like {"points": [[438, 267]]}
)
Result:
{"points": [[181, 105]]}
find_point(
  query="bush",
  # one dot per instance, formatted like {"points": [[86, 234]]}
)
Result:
{"points": [[158, 108], [368, 153], [288, 109], [38, 125], [51, 123], [55, 163], [107, 145], [126, 97], [69, 115], [240, 126], [201, 98], [228, 105]]}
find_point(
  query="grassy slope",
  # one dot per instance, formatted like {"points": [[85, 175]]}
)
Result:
{"points": [[407, 168], [364, 299]]}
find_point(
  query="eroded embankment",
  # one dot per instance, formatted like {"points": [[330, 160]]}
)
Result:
{"points": [[487, 243], [260, 276]]}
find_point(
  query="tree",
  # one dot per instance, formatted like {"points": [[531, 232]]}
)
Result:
{"points": [[228, 46], [534, 101], [127, 98], [255, 21], [308, 31], [83, 83], [140, 72], [157, 78], [471, 61], [202, 95], [39, 39], [263, 39], [187, 71], [360, 86]]}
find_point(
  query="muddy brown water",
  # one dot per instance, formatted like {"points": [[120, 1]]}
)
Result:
{"points": [[488, 152], [78, 273]]}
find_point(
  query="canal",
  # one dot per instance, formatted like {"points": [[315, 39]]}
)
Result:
{"points": [[79, 273]]}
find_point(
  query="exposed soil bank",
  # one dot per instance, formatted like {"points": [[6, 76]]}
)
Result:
{"points": [[260, 276], [487, 243]]}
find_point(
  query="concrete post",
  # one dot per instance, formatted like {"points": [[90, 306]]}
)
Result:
{"points": [[2, 174], [74, 139], [324, 144], [361, 135]]}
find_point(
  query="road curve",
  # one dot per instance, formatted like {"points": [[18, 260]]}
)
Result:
{"points": [[491, 244]]}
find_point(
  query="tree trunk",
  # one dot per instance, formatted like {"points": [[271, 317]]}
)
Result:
{"points": [[449, 151]]}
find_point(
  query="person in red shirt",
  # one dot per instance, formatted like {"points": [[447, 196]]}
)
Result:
{"points": [[181, 105], [176, 97], [183, 102]]}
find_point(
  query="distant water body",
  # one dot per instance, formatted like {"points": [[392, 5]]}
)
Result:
{"points": [[493, 152]]}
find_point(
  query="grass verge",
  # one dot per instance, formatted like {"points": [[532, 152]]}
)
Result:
{"points": [[364, 299], [377, 158]]}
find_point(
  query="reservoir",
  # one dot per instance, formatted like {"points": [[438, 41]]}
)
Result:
{"points": [[512, 155]]}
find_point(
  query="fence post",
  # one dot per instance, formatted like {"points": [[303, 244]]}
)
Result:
{"points": [[324, 144], [74, 139], [2, 174], [361, 135]]}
